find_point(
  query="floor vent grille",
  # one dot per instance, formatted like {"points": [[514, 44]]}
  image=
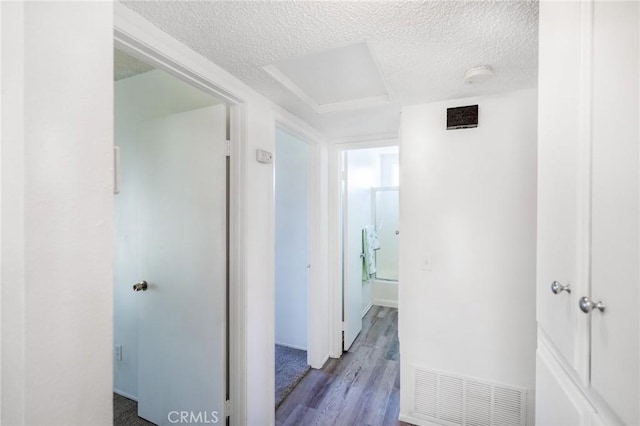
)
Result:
{"points": [[452, 399]]}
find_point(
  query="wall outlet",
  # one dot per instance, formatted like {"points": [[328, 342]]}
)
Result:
{"points": [[117, 352], [427, 262]]}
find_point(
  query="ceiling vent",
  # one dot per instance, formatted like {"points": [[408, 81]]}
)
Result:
{"points": [[455, 400]]}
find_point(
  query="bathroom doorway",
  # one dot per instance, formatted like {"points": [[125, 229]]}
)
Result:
{"points": [[370, 234]]}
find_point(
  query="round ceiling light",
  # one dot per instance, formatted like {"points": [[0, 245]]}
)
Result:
{"points": [[477, 75]]}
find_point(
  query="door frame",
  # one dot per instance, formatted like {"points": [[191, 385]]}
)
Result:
{"points": [[336, 259], [137, 41]]}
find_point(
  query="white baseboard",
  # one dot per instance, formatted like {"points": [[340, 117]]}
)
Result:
{"points": [[387, 303], [291, 346], [125, 394], [416, 421], [366, 310], [321, 363]]}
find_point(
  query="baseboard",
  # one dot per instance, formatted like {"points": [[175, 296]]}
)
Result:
{"points": [[416, 421], [322, 363], [366, 310], [125, 394], [291, 346], [387, 303]]}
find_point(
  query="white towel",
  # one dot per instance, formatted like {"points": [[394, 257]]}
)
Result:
{"points": [[370, 243]]}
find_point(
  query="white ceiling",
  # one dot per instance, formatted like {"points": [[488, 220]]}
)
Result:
{"points": [[337, 79], [422, 49]]}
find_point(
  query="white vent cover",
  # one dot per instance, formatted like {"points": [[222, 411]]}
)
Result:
{"points": [[452, 399]]}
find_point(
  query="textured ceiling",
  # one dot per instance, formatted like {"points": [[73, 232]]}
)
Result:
{"points": [[330, 78], [423, 48], [125, 66]]}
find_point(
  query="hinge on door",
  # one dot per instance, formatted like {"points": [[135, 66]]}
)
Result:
{"points": [[343, 326], [227, 408], [228, 148]]}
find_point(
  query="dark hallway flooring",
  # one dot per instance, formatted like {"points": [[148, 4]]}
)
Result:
{"points": [[361, 388]]}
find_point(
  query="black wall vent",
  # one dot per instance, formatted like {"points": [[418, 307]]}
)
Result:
{"points": [[463, 117]]}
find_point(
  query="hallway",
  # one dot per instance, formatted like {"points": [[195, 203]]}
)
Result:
{"points": [[363, 387]]}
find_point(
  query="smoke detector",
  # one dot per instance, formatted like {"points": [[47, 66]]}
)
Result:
{"points": [[477, 75]]}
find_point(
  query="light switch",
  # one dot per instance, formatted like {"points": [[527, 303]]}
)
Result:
{"points": [[427, 262]]}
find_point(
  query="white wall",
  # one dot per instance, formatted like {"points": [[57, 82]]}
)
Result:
{"points": [[292, 220], [469, 199], [139, 98], [57, 128]]}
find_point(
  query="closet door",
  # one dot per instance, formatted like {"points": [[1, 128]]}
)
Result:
{"points": [[615, 354], [558, 149]]}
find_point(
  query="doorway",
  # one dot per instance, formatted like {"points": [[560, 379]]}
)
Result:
{"points": [[370, 234], [171, 240], [292, 262]]}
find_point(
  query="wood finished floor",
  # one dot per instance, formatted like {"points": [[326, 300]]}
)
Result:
{"points": [[361, 388]]}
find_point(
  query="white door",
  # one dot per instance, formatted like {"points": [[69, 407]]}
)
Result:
{"points": [[356, 214], [181, 325], [615, 333], [558, 172]]}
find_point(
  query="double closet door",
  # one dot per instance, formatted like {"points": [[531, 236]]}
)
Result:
{"points": [[588, 275]]}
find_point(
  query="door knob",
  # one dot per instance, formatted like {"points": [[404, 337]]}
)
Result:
{"points": [[141, 286], [587, 305], [558, 288]]}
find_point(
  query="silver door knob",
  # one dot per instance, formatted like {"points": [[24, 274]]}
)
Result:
{"points": [[141, 286], [558, 288], [587, 305]]}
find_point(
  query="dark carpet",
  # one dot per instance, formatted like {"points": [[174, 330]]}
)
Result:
{"points": [[125, 412], [291, 367]]}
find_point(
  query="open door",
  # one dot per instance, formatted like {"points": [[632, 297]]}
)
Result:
{"points": [[353, 212], [181, 325]]}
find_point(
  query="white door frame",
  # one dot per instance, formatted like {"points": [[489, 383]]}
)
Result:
{"points": [[336, 260], [317, 291], [130, 38]]}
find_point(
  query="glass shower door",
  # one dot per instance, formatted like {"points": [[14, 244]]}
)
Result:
{"points": [[386, 216]]}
